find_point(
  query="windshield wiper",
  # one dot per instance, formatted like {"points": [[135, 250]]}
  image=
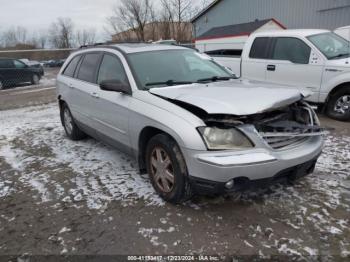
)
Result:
{"points": [[169, 83], [216, 78], [339, 56]]}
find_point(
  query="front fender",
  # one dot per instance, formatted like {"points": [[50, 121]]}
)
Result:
{"points": [[152, 111], [331, 80]]}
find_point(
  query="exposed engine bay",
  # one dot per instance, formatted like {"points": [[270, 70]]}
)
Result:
{"points": [[279, 128]]}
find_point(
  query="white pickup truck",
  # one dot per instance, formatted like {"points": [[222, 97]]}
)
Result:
{"points": [[317, 60]]}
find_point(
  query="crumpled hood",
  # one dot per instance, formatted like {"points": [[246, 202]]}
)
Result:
{"points": [[235, 97]]}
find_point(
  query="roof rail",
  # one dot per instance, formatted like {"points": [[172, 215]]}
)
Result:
{"points": [[95, 44]]}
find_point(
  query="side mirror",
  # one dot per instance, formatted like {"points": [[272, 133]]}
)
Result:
{"points": [[116, 86]]}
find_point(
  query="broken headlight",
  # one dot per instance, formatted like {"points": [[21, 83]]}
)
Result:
{"points": [[224, 139]]}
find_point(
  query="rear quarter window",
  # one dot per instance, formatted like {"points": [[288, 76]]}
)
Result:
{"points": [[259, 49], [6, 63], [71, 67]]}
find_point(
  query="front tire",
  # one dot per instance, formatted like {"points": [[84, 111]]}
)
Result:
{"points": [[72, 130], [167, 169], [35, 79], [338, 106]]}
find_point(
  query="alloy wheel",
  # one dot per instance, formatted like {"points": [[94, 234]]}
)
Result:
{"points": [[342, 105], [68, 121], [162, 170], [35, 79]]}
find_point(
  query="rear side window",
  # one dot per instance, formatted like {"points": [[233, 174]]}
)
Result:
{"points": [[111, 69], [70, 69], [87, 70], [6, 63], [291, 49], [259, 49]]}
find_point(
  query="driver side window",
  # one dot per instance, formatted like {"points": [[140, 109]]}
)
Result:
{"points": [[291, 49], [19, 64], [111, 69]]}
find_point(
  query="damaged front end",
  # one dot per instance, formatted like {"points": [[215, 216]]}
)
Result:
{"points": [[280, 128]]}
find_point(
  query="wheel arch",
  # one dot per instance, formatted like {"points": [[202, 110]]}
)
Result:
{"points": [[60, 101], [336, 89], [144, 137]]}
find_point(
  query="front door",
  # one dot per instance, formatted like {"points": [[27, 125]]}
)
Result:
{"points": [[294, 63], [111, 109]]}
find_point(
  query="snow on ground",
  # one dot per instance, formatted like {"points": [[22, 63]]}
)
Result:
{"points": [[88, 173], [98, 174]]}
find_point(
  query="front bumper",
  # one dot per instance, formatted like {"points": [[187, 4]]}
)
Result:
{"points": [[251, 166]]}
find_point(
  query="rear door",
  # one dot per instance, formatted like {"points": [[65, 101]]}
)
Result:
{"points": [[7, 71], [291, 62], [22, 71], [83, 88], [254, 64], [110, 108]]}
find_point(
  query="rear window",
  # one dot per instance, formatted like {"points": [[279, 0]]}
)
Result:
{"points": [[259, 48], [87, 70], [225, 52], [70, 69]]}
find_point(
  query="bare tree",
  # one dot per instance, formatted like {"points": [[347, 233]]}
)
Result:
{"points": [[132, 15], [86, 36], [179, 13], [61, 33], [42, 39], [14, 36]]}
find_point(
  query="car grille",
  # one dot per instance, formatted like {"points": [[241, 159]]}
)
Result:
{"points": [[279, 142], [281, 134]]}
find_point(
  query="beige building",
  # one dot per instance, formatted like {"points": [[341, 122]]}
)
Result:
{"points": [[182, 32]]}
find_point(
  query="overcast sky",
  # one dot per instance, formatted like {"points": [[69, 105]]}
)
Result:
{"points": [[37, 15]]}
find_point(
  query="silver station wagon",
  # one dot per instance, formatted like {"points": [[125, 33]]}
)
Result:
{"points": [[191, 125]]}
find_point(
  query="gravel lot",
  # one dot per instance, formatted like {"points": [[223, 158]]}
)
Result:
{"points": [[64, 197]]}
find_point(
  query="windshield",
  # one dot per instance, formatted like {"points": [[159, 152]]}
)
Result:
{"points": [[331, 45], [171, 67]]}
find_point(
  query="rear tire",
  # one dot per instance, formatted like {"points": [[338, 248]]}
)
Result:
{"points": [[69, 125], [35, 79], [167, 169], [338, 106]]}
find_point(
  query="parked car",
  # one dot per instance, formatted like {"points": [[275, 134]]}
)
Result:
{"points": [[317, 60], [34, 64], [13, 72], [190, 125], [54, 63]]}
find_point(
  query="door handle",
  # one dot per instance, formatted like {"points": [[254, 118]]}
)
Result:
{"points": [[95, 95], [271, 68], [71, 86]]}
